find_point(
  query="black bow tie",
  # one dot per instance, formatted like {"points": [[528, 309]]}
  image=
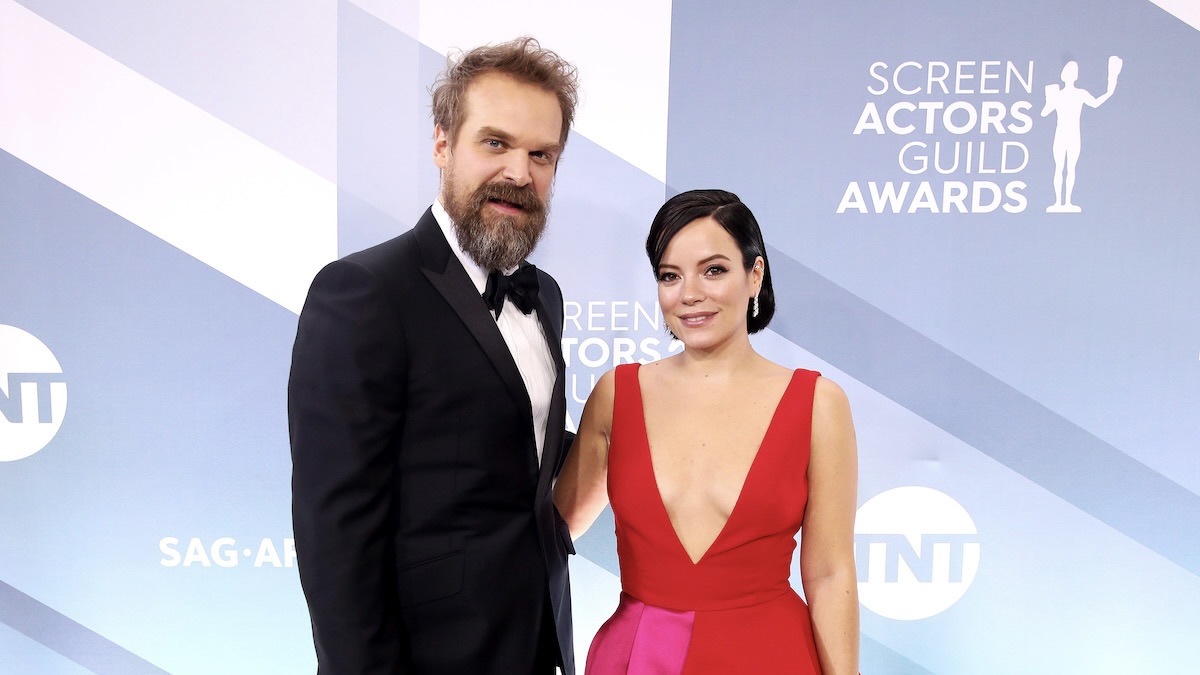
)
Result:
{"points": [[520, 287]]}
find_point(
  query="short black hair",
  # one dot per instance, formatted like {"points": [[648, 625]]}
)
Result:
{"points": [[731, 214]]}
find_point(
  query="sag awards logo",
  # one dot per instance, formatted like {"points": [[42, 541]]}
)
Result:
{"points": [[961, 129], [917, 552], [600, 335], [33, 394]]}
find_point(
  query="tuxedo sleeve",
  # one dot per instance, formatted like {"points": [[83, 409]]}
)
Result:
{"points": [[346, 406]]}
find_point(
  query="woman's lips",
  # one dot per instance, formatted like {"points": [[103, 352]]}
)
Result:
{"points": [[696, 319]]}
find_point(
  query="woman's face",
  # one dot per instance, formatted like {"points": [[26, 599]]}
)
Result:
{"points": [[703, 287]]}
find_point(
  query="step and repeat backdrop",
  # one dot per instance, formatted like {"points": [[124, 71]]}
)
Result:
{"points": [[982, 223]]}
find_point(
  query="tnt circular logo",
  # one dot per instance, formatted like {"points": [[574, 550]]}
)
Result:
{"points": [[33, 394], [917, 552]]}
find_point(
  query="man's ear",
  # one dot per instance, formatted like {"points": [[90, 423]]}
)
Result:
{"points": [[441, 147]]}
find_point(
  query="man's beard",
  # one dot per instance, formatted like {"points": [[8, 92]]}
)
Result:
{"points": [[493, 240]]}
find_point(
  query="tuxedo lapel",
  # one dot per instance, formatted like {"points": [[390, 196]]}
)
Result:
{"points": [[551, 325], [447, 275], [548, 296]]}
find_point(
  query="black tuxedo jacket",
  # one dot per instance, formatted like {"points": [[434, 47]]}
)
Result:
{"points": [[426, 536]]}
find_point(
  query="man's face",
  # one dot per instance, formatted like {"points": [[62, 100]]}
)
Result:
{"points": [[498, 173]]}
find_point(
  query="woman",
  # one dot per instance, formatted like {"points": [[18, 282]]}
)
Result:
{"points": [[713, 459]]}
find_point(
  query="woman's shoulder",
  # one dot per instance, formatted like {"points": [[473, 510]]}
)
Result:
{"points": [[826, 392], [607, 384], [830, 403], [825, 387], [766, 371], [829, 391]]}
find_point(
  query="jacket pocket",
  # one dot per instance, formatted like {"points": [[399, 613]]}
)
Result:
{"points": [[430, 580]]}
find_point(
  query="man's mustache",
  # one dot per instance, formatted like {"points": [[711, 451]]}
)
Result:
{"points": [[523, 197]]}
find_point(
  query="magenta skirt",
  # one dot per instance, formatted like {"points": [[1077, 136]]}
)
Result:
{"points": [[641, 638]]}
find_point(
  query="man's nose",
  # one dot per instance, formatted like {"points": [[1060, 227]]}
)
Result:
{"points": [[516, 169]]}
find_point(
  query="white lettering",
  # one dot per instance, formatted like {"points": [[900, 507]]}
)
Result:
{"points": [[618, 313], [923, 198], [954, 194], [977, 203], [623, 350], [965, 76], [869, 120], [653, 319], [959, 76], [922, 158], [650, 349], [948, 117], [598, 361], [196, 554], [887, 195], [896, 77], [959, 117], [914, 197], [1020, 111], [852, 198], [1017, 201], [171, 554], [289, 552], [874, 70], [571, 312], [568, 348], [267, 555], [224, 552], [984, 76], [594, 316], [891, 118]]}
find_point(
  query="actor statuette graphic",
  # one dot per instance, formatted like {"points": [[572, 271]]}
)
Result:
{"points": [[1067, 103]]}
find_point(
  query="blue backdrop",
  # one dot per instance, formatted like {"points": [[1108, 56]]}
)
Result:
{"points": [[1024, 378]]}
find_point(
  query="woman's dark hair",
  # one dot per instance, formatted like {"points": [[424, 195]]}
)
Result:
{"points": [[729, 211]]}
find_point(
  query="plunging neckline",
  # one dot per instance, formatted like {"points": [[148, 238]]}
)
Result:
{"points": [[745, 481]]}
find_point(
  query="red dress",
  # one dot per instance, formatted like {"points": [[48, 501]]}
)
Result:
{"points": [[734, 611]]}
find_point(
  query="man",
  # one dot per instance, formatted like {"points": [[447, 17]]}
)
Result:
{"points": [[427, 404]]}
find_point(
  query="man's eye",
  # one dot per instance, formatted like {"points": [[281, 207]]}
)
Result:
{"points": [[493, 143]]}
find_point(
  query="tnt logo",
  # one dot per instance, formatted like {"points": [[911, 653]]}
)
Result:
{"points": [[33, 394], [917, 552]]}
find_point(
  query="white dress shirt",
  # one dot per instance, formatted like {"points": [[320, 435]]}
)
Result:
{"points": [[523, 333]]}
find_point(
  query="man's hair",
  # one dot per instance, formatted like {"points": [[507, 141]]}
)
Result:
{"points": [[522, 59]]}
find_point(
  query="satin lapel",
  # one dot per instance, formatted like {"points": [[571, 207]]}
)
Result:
{"points": [[548, 296], [450, 279]]}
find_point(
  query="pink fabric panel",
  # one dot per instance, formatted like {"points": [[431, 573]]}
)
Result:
{"points": [[641, 639]]}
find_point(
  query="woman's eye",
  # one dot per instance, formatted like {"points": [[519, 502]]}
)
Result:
{"points": [[715, 270], [664, 277]]}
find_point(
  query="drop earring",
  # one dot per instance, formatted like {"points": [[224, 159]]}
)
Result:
{"points": [[754, 305]]}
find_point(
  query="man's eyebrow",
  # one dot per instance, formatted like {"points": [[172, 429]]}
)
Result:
{"points": [[493, 132], [505, 137]]}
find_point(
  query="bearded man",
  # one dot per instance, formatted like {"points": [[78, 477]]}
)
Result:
{"points": [[427, 404]]}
